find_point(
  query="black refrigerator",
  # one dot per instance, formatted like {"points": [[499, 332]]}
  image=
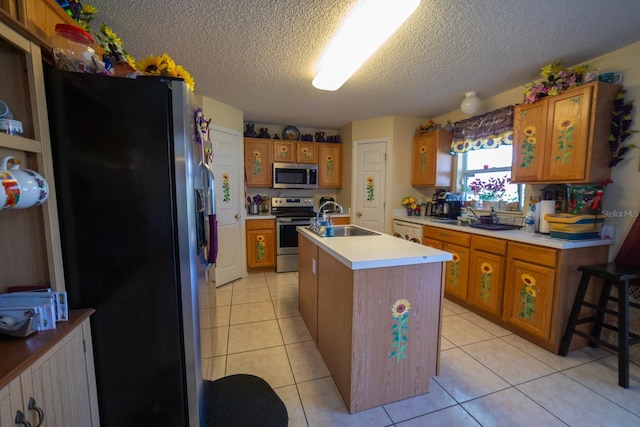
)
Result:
{"points": [[132, 206]]}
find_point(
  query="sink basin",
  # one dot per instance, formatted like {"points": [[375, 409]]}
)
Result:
{"points": [[495, 226], [350, 230]]}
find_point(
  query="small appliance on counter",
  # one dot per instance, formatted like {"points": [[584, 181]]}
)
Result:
{"points": [[329, 208], [446, 205]]}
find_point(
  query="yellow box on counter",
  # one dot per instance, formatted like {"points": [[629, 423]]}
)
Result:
{"points": [[574, 227]]}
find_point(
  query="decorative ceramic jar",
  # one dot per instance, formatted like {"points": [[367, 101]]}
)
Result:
{"points": [[21, 188]]}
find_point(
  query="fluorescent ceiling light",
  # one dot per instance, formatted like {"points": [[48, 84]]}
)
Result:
{"points": [[370, 24]]}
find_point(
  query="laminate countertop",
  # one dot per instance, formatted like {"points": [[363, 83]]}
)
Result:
{"points": [[381, 250], [514, 235]]}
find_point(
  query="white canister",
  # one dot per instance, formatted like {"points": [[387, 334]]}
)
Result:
{"points": [[21, 188]]}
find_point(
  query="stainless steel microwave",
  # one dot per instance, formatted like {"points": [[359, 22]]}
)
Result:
{"points": [[295, 175]]}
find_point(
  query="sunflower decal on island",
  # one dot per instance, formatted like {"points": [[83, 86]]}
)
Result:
{"points": [[399, 330], [370, 189], [528, 146], [486, 270], [423, 157], [329, 165], [257, 163], [528, 296], [564, 141], [454, 267], [260, 246], [226, 188]]}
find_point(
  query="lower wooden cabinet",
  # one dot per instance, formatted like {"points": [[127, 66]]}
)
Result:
{"points": [[526, 288], [530, 288], [486, 274], [56, 390], [342, 220], [261, 243], [457, 270]]}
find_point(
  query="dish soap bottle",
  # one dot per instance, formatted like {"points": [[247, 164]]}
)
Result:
{"points": [[530, 220], [330, 231]]}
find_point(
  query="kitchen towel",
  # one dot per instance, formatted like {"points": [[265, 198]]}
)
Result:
{"points": [[546, 207]]}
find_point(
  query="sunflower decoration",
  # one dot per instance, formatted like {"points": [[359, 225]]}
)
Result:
{"points": [[257, 163], [399, 330], [165, 66], [260, 245], [423, 157], [528, 146], [329, 165], [528, 295], [226, 187], [284, 150], [486, 270], [454, 269], [370, 189]]}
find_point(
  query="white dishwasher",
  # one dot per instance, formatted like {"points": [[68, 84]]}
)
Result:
{"points": [[407, 230]]}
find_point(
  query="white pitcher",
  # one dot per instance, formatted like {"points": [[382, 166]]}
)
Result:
{"points": [[21, 188]]}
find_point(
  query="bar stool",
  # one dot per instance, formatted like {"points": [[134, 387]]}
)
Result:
{"points": [[611, 274]]}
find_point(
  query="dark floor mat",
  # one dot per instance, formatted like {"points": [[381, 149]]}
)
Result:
{"points": [[243, 400]]}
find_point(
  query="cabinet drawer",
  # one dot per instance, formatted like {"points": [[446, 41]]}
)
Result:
{"points": [[533, 254], [260, 224], [448, 236], [489, 244]]}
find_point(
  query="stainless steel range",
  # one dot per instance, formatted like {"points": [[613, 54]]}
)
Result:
{"points": [[290, 212]]}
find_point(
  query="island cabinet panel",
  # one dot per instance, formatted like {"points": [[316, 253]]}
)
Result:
{"points": [[343, 220], [308, 284], [486, 274], [379, 329]]}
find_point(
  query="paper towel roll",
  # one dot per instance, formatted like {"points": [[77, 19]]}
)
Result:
{"points": [[546, 207]]}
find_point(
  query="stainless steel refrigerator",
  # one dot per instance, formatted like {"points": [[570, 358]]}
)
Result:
{"points": [[133, 215]]}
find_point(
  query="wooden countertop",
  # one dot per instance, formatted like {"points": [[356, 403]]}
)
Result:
{"points": [[17, 354]]}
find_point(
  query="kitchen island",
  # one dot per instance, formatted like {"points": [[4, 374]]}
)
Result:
{"points": [[373, 305]]}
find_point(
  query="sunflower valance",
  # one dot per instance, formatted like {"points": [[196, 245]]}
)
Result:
{"points": [[489, 130]]}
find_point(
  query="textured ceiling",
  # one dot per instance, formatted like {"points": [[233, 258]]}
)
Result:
{"points": [[259, 55]]}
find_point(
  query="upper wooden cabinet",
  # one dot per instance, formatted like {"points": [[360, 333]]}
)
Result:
{"points": [[564, 138], [295, 152], [329, 165], [431, 159], [307, 152], [258, 161], [38, 17]]}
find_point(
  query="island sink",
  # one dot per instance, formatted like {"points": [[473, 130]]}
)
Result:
{"points": [[347, 230]]}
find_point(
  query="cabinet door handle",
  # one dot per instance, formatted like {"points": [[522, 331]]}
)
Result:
{"points": [[32, 407], [20, 419]]}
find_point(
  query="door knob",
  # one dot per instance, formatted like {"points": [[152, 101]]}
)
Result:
{"points": [[237, 216], [359, 214]]}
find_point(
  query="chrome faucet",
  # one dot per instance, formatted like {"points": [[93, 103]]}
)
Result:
{"points": [[325, 204], [473, 213], [314, 223]]}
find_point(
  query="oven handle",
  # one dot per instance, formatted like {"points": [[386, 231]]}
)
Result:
{"points": [[293, 221]]}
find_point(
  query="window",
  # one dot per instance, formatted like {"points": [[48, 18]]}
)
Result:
{"points": [[490, 167]]}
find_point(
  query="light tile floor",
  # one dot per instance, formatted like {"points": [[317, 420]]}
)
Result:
{"points": [[488, 376]]}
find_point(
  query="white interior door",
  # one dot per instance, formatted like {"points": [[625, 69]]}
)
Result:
{"points": [[370, 180], [227, 166]]}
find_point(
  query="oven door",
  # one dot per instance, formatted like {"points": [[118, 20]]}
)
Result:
{"points": [[287, 236]]}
